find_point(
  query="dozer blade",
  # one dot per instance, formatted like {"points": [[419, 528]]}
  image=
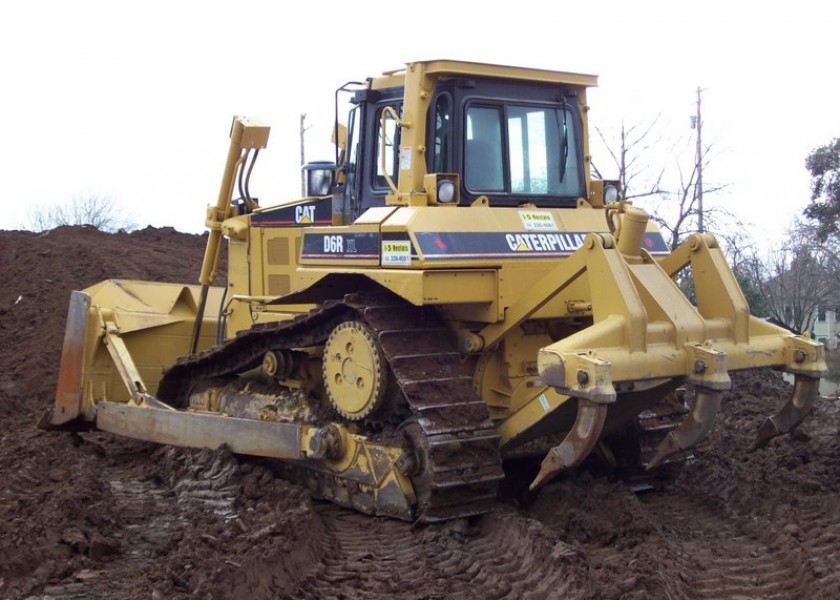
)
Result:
{"points": [[696, 425], [120, 334], [793, 412], [578, 443], [68, 395]]}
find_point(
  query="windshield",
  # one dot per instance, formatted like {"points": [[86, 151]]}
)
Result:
{"points": [[522, 150]]}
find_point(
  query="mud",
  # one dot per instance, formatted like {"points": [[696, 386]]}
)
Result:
{"points": [[94, 516]]}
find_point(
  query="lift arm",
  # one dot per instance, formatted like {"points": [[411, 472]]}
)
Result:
{"points": [[245, 135]]}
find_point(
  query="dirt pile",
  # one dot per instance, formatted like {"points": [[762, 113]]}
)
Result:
{"points": [[95, 516]]}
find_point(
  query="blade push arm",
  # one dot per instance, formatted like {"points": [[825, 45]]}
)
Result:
{"points": [[245, 135]]}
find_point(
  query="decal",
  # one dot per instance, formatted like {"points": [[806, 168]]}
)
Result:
{"points": [[544, 402], [334, 244], [396, 252], [472, 244], [537, 220], [310, 213], [544, 242], [655, 244], [340, 245], [305, 214], [405, 158]]}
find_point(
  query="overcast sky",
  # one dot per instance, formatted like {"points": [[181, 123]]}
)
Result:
{"points": [[133, 100]]}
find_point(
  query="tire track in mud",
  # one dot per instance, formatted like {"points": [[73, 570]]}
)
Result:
{"points": [[148, 512], [819, 536], [154, 517], [721, 557], [500, 555]]}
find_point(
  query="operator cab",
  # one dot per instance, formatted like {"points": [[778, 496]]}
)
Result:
{"points": [[514, 142]]}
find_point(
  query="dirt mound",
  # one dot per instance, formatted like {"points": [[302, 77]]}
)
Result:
{"points": [[95, 516], [40, 270]]}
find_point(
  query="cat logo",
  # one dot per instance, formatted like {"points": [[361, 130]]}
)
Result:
{"points": [[305, 214], [522, 248]]}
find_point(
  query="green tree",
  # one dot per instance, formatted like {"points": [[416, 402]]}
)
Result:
{"points": [[755, 298], [823, 164]]}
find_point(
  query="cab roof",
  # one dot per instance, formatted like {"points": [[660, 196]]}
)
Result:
{"points": [[446, 69]]}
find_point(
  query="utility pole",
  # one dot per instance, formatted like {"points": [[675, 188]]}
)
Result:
{"points": [[622, 176], [697, 123], [302, 155]]}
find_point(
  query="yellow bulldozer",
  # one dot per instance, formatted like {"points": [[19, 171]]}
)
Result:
{"points": [[454, 290]]}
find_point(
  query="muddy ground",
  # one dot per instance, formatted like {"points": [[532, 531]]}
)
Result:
{"points": [[94, 516]]}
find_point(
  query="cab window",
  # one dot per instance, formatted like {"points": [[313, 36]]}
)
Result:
{"points": [[522, 150], [442, 135], [483, 167]]}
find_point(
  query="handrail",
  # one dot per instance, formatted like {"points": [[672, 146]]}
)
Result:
{"points": [[388, 110]]}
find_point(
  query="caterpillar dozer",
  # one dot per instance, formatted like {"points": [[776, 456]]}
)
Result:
{"points": [[454, 290]]}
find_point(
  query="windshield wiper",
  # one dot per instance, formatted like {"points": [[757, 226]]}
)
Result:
{"points": [[564, 141]]}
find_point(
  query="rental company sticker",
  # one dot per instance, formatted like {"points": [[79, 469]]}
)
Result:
{"points": [[534, 220], [544, 402], [405, 158], [396, 253]]}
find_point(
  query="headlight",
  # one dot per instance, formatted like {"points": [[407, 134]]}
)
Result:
{"points": [[320, 177], [445, 191], [610, 193]]}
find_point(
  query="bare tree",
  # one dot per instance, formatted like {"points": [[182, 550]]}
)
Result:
{"points": [[669, 193], [677, 211], [798, 278], [742, 255], [739, 247], [95, 211], [635, 143]]}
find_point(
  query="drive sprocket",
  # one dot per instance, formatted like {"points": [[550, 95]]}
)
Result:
{"points": [[354, 370]]}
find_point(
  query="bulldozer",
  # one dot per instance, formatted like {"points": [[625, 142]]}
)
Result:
{"points": [[454, 290]]}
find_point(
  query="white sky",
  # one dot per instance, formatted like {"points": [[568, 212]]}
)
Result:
{"points": [[133, 100]]}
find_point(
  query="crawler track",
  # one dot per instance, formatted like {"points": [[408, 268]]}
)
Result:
{"points": [[460, 465]]}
